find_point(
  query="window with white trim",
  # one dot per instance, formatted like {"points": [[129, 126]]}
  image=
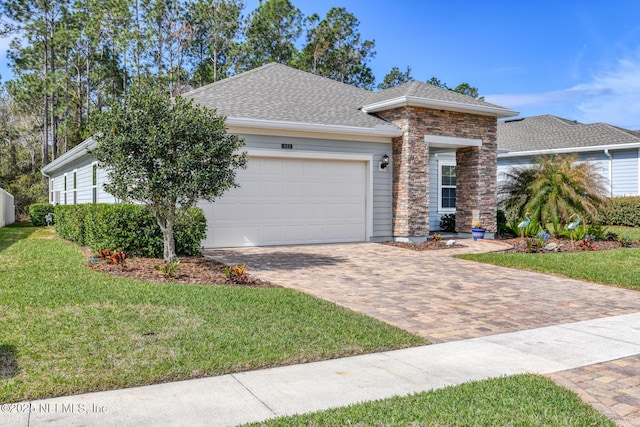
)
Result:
{"points": [[446, 186], [75, 186], [65, 188], [51, 196], [94, 183]]}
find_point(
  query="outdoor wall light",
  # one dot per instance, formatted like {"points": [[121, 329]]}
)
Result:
{"points": [[384, 162]]}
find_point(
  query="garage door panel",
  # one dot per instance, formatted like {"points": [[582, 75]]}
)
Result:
{"points": [[290, 201]]}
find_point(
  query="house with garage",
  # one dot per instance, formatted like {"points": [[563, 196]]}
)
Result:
{"points": [[613, 150], [329, 162]]}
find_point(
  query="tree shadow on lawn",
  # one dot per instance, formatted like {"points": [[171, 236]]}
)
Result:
{"points": [[8, 361], [13, 233], [276, 260]]}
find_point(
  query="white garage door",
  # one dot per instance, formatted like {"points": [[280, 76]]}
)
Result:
{"points": [[290, 201]]}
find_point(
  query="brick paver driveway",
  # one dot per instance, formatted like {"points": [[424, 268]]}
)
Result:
{"points": [[430, 293], [446, 299]]}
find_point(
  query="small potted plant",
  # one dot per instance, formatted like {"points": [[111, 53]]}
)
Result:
{"points": [[477, 230]]}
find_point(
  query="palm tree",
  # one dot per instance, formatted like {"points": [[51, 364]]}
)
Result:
{"points": [[554, 188]]}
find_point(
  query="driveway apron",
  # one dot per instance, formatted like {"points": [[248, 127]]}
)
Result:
{"points": [[445, 299], [430, 293]]}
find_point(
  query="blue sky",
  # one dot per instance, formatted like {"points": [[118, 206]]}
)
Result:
{"points": [[575, 59]]}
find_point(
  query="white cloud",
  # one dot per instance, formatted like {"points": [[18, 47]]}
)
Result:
{"points": [[621, 104], [525, 100], [612, 95]]}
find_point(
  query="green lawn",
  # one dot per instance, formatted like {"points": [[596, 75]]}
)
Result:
{"points": [[620, 267], [522, 400], [67, 329], [632, 233]]}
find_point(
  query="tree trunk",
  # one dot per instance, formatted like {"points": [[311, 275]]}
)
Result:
{"points": [[166, 219], [169, 240], [45, 131], [88, 99], [137, 43], [54, 122]]}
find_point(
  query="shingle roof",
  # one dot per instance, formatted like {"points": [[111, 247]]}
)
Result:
{"points": [[280, 93], [276, 92], [549, 132], [425, 90]]}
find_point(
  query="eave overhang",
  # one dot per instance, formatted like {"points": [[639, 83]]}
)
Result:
{"points": [[437, 104], [502, 153], [70, 156], [387, 131]]}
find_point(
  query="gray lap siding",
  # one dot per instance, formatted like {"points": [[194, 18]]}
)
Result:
{"points": [[381, 180]]}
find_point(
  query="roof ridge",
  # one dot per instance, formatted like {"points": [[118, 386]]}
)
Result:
{"points": [[563, 121], [231, 78], [627, 132], [414, 85]]}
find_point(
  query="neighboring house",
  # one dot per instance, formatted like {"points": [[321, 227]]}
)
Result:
{"points": [[317, 168], [7, 208], [614, 150]]}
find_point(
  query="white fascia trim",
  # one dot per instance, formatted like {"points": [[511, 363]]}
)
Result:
{"points": [[389, 131], [485, 110], [451, 141], [74, 154], [568, 150]]}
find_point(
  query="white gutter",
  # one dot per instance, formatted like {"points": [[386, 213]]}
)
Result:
{"points": [[569, 150], [387, 131], [610, 157], [75, 153], [485, 110]]}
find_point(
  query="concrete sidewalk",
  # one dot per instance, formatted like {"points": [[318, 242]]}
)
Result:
{"points": [[259, 395]]}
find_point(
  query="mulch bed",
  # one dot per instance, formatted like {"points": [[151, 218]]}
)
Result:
{"points": [[192, 270], [519, 245], [425, 246]]}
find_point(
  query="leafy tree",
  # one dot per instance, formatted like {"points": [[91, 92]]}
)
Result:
{"points": [[395, 77], [6, 28], [554, 188], [39, 21], [437, 82], [216, 24], [166, 153], [20, 154], [272, 30], [168, 36], [463, 88], [335, 50], [466, 89]]}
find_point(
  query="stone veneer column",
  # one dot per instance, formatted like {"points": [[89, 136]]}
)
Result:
{"points": [[476, 169], [476, 184], [410, 178]]}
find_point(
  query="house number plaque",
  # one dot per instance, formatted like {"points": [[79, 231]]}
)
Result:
{"points": [[287, 146]]}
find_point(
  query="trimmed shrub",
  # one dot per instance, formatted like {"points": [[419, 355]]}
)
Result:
{"points": [[70, 222], [124, 227], [448, 222], [623, 211], [130, 228], [38, 213], [190, 229]]}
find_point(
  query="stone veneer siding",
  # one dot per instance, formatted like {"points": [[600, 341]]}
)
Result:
{"points": [[476, 169]]}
